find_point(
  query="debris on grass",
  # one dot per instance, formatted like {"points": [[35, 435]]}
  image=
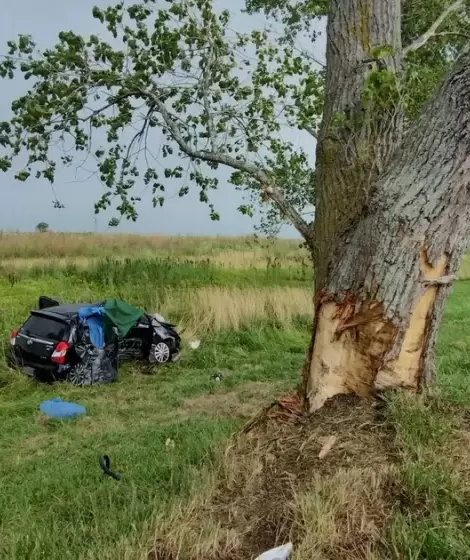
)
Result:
{"points": [[57, 408], [327, 445], [273, 488], [105, 464], [279, 553], [287, 409], [169, 443]]}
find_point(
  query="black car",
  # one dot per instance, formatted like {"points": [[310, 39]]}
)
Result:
{"points": [[54, 342]]}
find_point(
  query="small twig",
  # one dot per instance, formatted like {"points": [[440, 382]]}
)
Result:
{"points": [[326, 448], [454, 33], [205, 95]]}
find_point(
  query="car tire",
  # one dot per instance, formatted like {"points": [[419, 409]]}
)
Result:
{"points": [[160, 352], [79, 375]]}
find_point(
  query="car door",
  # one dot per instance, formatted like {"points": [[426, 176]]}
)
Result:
{"points": [[134, 346]]}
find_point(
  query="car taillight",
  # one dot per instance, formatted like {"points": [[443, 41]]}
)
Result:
{"points": [[59, 355], [13, 336]]}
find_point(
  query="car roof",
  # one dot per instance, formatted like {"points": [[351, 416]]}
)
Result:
{"points": [[62, 311]]}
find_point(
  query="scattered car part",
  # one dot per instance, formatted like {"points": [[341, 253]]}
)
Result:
{"points": [[105, 464]]}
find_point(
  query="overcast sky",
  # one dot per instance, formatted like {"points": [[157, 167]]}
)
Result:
{"points": [[23, 205]]}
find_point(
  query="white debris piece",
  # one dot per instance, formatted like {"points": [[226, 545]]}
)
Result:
{"points": [[327, 445], [279, 553], [159, 318], [170, 443], [195, 344]]}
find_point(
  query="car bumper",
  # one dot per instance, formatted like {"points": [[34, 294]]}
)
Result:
{"points": [[12, 363], [15, 362]]}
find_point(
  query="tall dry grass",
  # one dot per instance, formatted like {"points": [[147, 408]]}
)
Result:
{"points": [[68, 245], [216, 309], [195, 311], [262, 258]]}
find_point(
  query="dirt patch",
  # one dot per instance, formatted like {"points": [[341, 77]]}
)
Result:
{"points": [[273, 487], [242, 402]]}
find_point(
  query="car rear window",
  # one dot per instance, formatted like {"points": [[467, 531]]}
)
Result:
{"points": [[44, 327]]}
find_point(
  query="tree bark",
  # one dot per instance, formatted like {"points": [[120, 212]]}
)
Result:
{"points": [[356, 136], [387, 261]]}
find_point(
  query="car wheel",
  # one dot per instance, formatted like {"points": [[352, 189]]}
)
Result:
{"points": [[160, 353], [79, 375]]}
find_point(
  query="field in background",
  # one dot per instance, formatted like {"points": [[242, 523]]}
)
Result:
{"points": [[250, 305], [32, 249]]}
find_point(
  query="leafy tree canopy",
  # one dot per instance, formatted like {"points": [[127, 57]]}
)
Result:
{"points": [[174, 78], [42, 227]]}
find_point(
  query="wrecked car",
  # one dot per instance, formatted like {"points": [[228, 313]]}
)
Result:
{"points": [[83, 343]]}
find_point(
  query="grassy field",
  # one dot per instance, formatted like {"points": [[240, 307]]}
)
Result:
{"points": [[167, 433]]}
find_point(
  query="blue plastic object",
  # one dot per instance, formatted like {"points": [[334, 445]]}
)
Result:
{"points": [[93, 318], [57, 408]]}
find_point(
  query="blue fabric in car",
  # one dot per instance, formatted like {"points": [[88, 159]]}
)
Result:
{"points": [[93, 318], [57, 408]]}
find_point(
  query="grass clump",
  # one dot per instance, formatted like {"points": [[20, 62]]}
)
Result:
{"points": [[432, 516]]}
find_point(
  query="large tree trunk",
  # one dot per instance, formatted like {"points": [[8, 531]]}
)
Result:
{"points": [[386, 262], [357, 134]]}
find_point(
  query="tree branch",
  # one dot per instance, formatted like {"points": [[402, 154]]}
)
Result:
{"points": [[267, 188], [454, 33], [311, 131], [432, 31]]}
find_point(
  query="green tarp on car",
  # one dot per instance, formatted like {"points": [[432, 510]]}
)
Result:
{"points": [[120, 315]]}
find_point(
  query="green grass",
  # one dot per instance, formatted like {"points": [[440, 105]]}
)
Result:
{"points": [[167, 271], [54, 502], [432, 520], [66, 245]]}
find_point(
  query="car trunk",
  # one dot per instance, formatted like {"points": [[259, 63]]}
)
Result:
{"points": [[37, 340]]}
